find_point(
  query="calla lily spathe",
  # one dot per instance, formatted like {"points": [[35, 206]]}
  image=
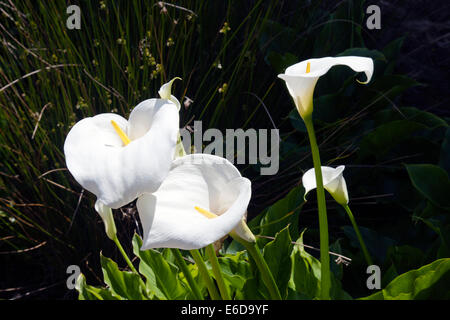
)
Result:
{"points": [[107, 217], [203, 198], [118, 160], [333, 182], [301, 78]]}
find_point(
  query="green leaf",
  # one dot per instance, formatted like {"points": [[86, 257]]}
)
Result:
{"points": [[146, 270], [392, 51], [253, 290], [124, 283], [193, 270], [235, 269], [390, 86], [443, 231], [87, 292], [281, 214], [411, 114], [386, 136], [376, 243], [162, 276], [389, 275], [405, 257], [277, 255], [306, 274], [428, 282], [432, 182]]}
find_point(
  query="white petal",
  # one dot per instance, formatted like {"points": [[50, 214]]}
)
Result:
{"points": [[169, 217], [333, 182], [107, 217], [165, 92], [301, 90], [115, 174]]}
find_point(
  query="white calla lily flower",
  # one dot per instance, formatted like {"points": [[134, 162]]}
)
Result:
{"points": [[333, 182], [118, 160], [301, 78], [203, 198]]}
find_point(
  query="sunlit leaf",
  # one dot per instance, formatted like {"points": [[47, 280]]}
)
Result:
{"points": [[428, 282], [165, 275], [124, 283], [87, 292], [277, 255]]}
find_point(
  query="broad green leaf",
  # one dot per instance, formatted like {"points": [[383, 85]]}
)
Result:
{"points": [[235, 269], [305, 278], [87, 292], [193, 270], [124, 283], [432, 182], [388, 275], [392, 51], [377, 244], [253, 290], [390, 86], [281, 214], [426, 209], [443, 231], [277, 255], [411, 114], [386, 136], [147, 271], [305, 273], [405, 257], [428, 282], [329, 108], [165, 274]]}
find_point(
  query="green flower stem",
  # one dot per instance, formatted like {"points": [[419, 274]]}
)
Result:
{"points": [[187, 274], [203, 271], [127, 260], [323, 222], [358, 234], [266, 274], [211, 253]]}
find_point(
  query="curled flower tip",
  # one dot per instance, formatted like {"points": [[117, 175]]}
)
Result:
{"points": [[362, 82], [165, 92]]}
